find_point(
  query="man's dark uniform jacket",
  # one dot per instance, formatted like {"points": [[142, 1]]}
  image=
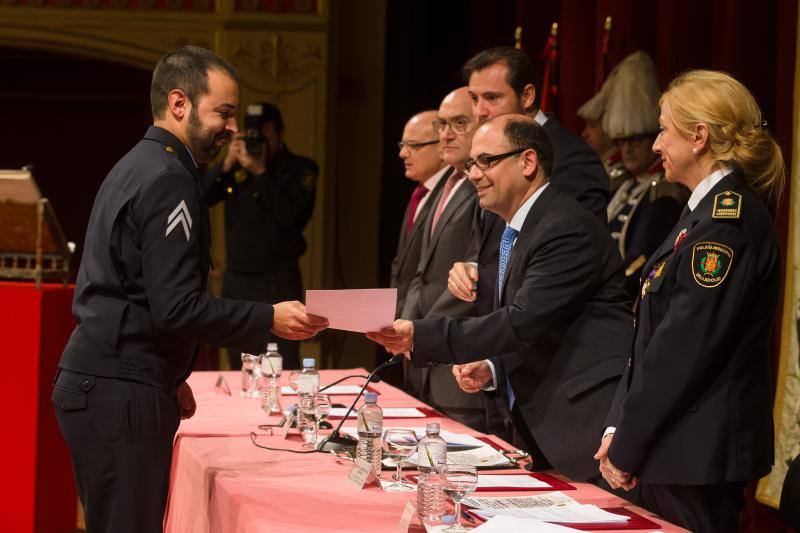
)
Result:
{"points": [[140, 300], [265, 215], [562, 335]]}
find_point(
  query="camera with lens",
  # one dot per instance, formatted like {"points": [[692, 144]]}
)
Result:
{"points": [[254, 140]]}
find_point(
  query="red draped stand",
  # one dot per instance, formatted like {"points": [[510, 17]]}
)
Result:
{"points": [[38, 488]]}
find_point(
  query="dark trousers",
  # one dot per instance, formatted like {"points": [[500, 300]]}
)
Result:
{"points": [[268, 287], [698, 508], [119, 435], [523, 439]]}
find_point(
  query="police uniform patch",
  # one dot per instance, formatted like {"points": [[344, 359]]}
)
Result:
{"points": [[727, 204], [309, 180], [711, 262]]}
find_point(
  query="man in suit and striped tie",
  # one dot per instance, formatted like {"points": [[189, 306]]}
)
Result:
{"points": [[419, 150]]}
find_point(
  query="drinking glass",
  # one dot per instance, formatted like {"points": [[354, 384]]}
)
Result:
{"points": [[399, 444], [307, 420], [458, 482], [323, 402]]}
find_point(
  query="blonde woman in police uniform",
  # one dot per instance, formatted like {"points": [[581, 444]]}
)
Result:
{"points": [[692, 420]]}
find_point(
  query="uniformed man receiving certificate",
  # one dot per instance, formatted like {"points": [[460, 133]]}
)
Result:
{"points": [[140, 301]]}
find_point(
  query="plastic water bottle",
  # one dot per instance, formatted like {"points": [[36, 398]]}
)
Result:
{"points": [[431, 460], [308, 381], [251, 375], [271, 368], [370, 428], [307, 386]]}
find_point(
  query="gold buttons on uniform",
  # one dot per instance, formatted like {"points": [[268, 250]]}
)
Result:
{"points": [[169, 149]]}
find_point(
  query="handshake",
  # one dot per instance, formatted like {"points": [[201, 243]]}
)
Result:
{"points": [[291, 321]]}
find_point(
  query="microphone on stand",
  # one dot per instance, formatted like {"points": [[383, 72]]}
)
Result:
{"points": [[373, 379], [337, 441]]}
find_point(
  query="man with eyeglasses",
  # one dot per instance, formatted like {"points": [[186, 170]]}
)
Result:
{"points": [[445, 237], [422, 161], [503, 80], [560, 329]]}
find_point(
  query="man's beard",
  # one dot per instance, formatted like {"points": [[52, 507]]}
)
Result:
{"points": [[202, 143]]}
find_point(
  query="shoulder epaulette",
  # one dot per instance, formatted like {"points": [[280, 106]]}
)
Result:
{"points": [[727, 205]]}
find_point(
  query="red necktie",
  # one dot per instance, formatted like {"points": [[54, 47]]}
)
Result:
{"points": [[448, 188], [416, 197]]}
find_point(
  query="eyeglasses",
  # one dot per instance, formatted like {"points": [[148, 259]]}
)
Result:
{"points": [[635, 140], [459, 125], [485, 162], [413, 145]]}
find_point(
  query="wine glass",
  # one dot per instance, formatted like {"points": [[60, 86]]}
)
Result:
{"points": [[399, 444], [323, 402], [307, 420], [458, 482]]}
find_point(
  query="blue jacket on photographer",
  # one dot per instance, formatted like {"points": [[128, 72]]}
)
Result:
{"points": [[269, 195]]}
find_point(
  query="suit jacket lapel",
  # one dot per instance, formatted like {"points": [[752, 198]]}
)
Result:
{"points": [[460, 195], [405, 237], [539, 207], [419, 226], [429, 241]]}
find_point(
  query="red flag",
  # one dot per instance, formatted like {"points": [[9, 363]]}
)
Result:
{"points": [[600, 71], [550, 79]]}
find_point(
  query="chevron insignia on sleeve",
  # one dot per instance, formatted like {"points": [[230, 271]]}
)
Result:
{"points": [[180, 215]]}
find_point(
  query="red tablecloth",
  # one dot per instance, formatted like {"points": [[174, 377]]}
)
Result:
{"points": [[222, 483]]}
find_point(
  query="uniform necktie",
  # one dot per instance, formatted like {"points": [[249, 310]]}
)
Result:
{"points": [[416, 197], [448, 188], [506, 244]]}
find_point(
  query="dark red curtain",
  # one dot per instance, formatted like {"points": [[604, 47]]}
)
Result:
{"points": [[753, 41]]}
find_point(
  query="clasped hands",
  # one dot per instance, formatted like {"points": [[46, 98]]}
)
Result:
{"points": [[616, 478]]}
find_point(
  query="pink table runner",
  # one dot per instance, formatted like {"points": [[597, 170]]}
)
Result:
{"points": [[222, 483]]}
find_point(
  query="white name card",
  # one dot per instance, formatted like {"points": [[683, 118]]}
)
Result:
{"points": [[409, 512], [362, 474]]}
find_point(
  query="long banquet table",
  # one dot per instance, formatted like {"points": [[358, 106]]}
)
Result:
{"points": [[222, 483]]}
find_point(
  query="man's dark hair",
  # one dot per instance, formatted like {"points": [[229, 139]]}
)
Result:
{"points": [[522, 134], [185, 68], [269, 113], [521, 70]]}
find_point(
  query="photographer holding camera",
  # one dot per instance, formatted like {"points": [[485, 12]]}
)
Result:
{"points": [[269, 196]]}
